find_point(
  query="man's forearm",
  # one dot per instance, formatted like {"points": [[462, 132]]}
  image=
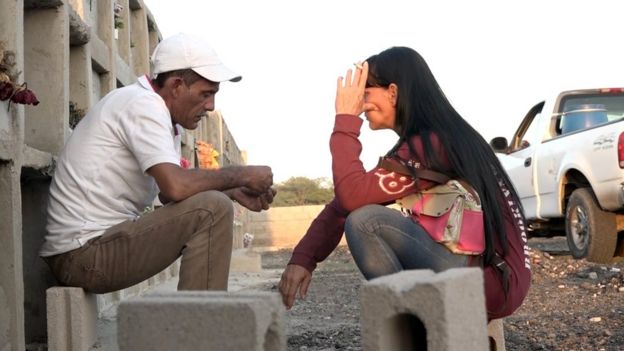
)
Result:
{"points": [[177, 184], [222, 179]]}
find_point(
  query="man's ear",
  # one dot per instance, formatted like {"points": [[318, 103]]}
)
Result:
{"points": [[393, 92], [174, 84]]}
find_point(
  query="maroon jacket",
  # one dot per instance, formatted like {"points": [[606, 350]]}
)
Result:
{"points": [[355, 187]]}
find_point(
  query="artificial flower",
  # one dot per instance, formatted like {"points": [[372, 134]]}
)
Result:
{"points": [[184, 163], [24, 96], [6, 90]]}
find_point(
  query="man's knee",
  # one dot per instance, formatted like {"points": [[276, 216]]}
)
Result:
{"points": [[213, 201], [359, 216]]}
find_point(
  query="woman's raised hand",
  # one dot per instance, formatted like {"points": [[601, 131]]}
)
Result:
{"points": [[350, 91]]}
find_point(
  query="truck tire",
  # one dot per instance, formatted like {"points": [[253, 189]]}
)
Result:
{"points": [[591, 232]]}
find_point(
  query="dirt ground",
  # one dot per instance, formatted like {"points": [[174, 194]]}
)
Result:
{"points": [[572, 304]]}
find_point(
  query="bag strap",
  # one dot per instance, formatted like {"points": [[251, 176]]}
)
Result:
{"points": [[393, 165], [498, 264], [397, 167], [502, 267]]}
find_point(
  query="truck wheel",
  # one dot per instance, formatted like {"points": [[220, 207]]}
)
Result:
{"points": [[591, 232]]}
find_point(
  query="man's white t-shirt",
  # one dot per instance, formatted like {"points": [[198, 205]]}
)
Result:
{"points": [[100, 177]]}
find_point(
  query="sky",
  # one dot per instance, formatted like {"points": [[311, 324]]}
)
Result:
{"points": [[494, 60]]}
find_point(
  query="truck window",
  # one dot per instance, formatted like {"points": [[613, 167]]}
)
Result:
{"points": [[584, 111], [531, 134], [526, 130]]}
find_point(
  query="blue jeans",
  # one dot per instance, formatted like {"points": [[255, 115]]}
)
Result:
{"points": [[383, 241]]}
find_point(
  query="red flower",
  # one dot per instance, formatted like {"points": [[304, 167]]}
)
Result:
{"points": [[184, 163], [24, 96], [6, 90]]}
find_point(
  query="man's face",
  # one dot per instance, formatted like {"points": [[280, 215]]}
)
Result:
{"points": [[193, 102]]}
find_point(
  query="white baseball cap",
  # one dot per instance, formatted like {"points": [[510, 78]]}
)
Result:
{"points": [[183, 51]]}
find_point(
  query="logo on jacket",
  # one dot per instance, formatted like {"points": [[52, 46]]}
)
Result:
{"points": [[392, 183]]}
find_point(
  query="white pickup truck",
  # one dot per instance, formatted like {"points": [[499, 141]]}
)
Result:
{"points": [[566, 161]]}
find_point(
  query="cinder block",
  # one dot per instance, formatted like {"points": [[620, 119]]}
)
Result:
{"points": [[174, 268], [245, 260], [72, 316], [496, 334], [202, 320], [445, 311]]}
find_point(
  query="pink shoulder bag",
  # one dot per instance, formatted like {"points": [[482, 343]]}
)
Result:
{"points": [[450, 211]]}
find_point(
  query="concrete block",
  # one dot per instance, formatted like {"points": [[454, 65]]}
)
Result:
{"points": [[174, 268], [152, 281], [421, 309], [106, 301], [496, 334], [245, 260], [202, 320], [164, 275], [72, 315]]}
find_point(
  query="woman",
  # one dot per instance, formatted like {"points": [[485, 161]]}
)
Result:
{"points": [[396, 90]]}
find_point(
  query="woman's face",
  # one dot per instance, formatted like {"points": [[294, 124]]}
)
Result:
{"points": [[380, 106]]}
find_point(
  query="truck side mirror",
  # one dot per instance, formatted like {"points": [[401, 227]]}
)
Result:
{"points": [[499, 144]]}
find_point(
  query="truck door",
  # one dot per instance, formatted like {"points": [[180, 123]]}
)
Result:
{"points": [[520, 163]]}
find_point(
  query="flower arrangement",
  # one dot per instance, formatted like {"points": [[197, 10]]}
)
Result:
{"points": [[9, 90], [206, 155]]}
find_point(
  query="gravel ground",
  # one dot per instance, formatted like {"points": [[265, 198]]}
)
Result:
{"points": [[572, 304]]}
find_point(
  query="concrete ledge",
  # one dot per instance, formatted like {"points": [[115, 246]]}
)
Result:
{"points": [[42, 4], [444, 311], [100, 56], [79, 31], [136, 4], [124, 73], [202, 320], [38, 160], [72, 316]]}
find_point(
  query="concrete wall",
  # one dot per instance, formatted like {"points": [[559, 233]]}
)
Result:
{"points": [[11, 159], [214, 130], [69, 53], [281, 227]]}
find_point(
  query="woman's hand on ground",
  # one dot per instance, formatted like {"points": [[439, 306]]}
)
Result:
{"points": [[295, 278], [350, 91]]}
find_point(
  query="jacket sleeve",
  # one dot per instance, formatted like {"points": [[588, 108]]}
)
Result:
{"points": [[322, 237], [353, 185]]}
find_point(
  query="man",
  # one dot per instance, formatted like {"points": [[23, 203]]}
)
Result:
{"points": [[117, 159]]}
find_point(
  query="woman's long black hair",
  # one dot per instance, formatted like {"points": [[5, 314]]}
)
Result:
{"points": [[423, 109]]}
